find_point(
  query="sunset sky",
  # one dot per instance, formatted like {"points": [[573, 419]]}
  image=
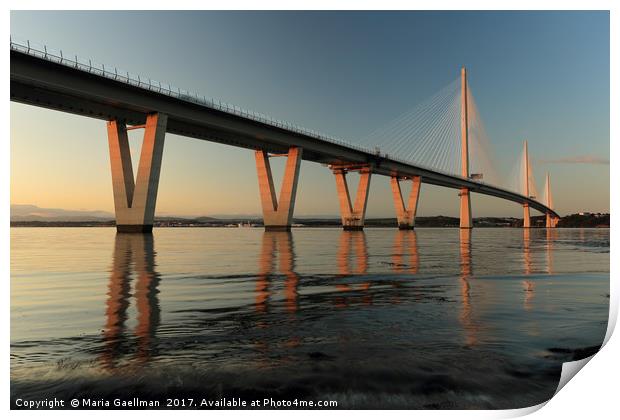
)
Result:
{"points": [[540, 76]]}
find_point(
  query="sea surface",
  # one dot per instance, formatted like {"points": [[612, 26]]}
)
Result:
{"points": [[432, 318]]}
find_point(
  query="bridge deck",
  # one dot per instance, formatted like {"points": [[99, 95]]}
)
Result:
{"points": [[46, 83]]}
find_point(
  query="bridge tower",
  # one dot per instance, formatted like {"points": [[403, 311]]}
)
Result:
{"points": [[551, 221], [526, 186], [465, 213]]}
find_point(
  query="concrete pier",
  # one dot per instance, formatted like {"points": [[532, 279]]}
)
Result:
{"points": [[551, 221], [465, 212], [278, 213], [134, 201], [352, 216], [405, 215], [526, 216]]}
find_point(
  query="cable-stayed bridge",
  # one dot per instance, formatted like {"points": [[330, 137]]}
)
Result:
{"points": [[441, 142]]}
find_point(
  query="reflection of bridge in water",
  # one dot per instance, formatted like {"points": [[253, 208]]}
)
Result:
{"points": [[406, 243], [529, 285], [134, 258], [282, 244], [134, 278], [466, 316]]}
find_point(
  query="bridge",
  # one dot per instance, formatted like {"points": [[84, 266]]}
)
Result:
{"points": [[51, 79]]}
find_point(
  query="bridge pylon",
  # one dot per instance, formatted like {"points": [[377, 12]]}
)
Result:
{"points": [[352, 216], [134, 201], [465, 213], [406, 214], [278, 213], [526, 186]]}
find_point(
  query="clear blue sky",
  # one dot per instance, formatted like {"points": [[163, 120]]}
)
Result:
{"points": [[543, 76]]}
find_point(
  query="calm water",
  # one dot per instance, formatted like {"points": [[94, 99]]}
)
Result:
{"points": [[375, 319]]}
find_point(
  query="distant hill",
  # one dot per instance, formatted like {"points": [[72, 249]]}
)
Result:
{"points": [[30, 213], [588, 220]]}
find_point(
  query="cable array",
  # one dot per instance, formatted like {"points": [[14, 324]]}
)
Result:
{"points": [[481, 154], [427, 134], [548, 201], [516, 180]]}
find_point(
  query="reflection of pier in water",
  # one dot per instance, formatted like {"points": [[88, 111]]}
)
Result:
{"points": [[275, 245], [133, 278], [282, 243], [355, 240], [405, 243], [551, 237], [529, 269], [352, 246], [529, 284], [466, 315], [137, 251]]}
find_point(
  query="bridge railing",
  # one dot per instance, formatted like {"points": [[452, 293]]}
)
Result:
{"points": [[115, 73], [111, 72]]}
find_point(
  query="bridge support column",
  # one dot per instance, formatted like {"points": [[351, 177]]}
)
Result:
{"points": [[278, 214], [352, 216], [134, 201], [526, 216], [465, 214], [406, 215], [551, 221]]}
